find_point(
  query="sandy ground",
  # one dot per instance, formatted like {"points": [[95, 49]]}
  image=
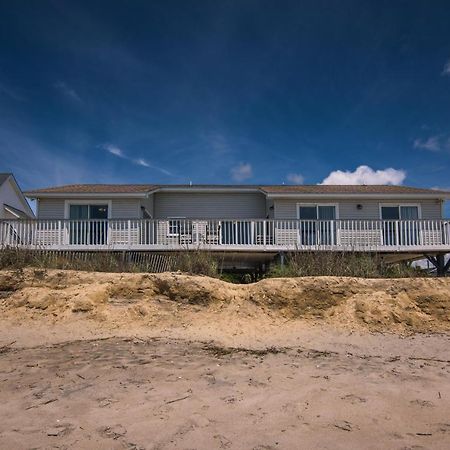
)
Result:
{"points": [[110, 361]]}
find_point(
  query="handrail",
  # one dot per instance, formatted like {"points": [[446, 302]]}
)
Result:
{"points": [[276, 234]]}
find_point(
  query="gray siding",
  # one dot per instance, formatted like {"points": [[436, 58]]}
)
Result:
{"points": [[210, 205], [147, 203], [51, 208], [126, 208], [287, 208]]}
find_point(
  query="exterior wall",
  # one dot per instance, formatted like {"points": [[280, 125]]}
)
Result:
{"points": [[147, 203], [9, 196], [126, 208], [225, 206], [210, 205], [287, 208], [50, 208], [123, 208]]}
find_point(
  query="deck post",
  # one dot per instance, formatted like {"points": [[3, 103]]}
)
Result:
{"points": [[438, 261]]}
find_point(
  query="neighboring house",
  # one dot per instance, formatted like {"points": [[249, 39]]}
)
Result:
{"points": [[13, 204]]}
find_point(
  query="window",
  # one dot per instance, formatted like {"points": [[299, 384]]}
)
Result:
{"points": [[399, 212], [312, 232], [174, 227], [88, 225], [400, 233], [317, 212], [84, 212]]}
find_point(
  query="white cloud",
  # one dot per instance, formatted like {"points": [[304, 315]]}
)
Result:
{"points": [[114, 150], [432, 144], [68, 91], [295, 178], [366, 175], [117, 151], [242, 172], [141, 162], [446, 69]]}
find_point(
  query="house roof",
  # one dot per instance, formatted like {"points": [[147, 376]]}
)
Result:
{"points": [[348, 189], [270, 190], [4, 177], [95, 189], [27, 211]]}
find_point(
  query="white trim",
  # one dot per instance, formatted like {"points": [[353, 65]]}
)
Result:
{"points": [[398, 205], [67, 204], [316, 204], [11, 211]]}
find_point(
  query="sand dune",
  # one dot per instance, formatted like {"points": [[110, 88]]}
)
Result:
{"points": [[171, 361]]}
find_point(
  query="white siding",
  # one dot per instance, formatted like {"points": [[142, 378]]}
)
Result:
{"points": [[210, 205], [287, 208], [9, 196]]}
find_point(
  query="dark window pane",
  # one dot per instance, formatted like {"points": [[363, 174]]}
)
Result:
{"points": [[327, 212], [409, 212], [98, 211], [79, 212], [308, 212], [390, 213]]}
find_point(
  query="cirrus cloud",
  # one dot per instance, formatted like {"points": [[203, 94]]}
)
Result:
{"points": [[366, 175], [118, 152]]}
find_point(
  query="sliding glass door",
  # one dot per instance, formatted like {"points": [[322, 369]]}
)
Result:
{"points": [[87, 224], [317, 224], [400, 224]]}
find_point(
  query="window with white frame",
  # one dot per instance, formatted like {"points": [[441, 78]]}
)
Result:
{"points": [[399, 212]]}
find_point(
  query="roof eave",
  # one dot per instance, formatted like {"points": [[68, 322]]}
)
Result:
{"points": [[431, 195], [198, 189], [38, 195]]}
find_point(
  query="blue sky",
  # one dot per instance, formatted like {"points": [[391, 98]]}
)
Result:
{"points": [[222, 92]]}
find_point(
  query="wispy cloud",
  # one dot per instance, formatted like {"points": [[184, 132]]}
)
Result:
{"points": [[295, 178], [67, 91], [118, 152], [434, 143], [141, 162], [114, 150], [241, 172], [366, 175], [446, 69]]}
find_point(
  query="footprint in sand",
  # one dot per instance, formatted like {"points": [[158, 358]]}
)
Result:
{"points": [[422, 403], [353, 399]]}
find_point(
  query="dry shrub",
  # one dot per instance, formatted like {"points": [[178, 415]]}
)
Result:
{"points": [[13, 258], [363, 265], [195, 262]]}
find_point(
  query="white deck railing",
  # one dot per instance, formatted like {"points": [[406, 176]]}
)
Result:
{"points": [[258, 234]]}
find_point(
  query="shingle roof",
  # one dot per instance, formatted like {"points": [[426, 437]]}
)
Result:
{"points": [[96, 189], [347, 189], [269, 189]]}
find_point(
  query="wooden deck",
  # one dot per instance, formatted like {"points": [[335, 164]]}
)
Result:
{"points": [[259, 235]]}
